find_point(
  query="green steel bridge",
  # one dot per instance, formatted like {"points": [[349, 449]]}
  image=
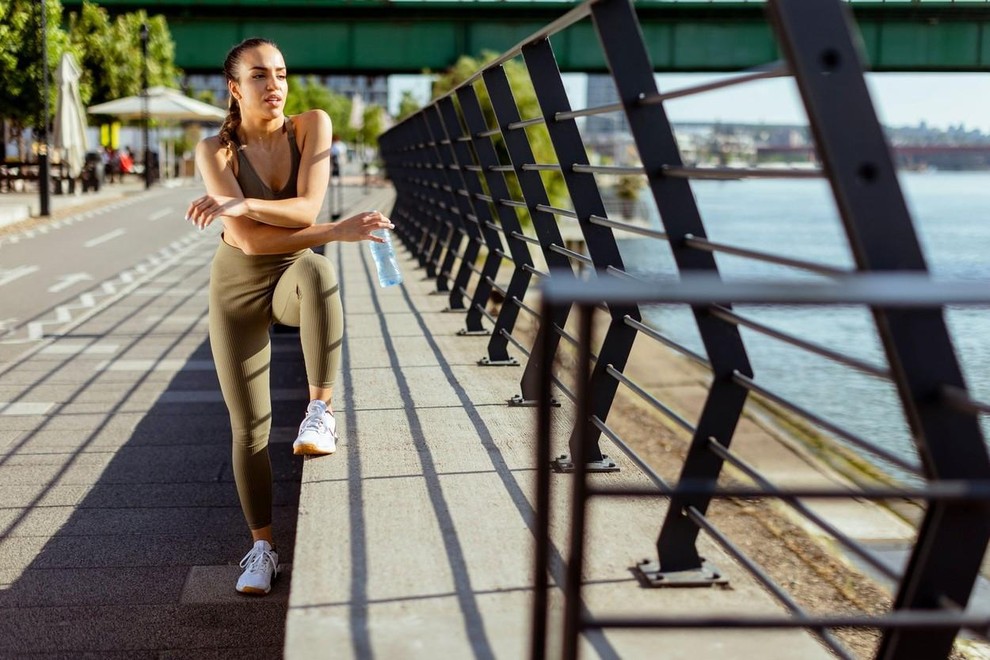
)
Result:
{"points": [[410, 36]]}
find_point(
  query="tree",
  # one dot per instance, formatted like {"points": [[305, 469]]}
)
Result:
{"points": [[89, 33], [110, 53], [529, 107], [373, 124], [21, 66], [408, 105], [306, 93]]}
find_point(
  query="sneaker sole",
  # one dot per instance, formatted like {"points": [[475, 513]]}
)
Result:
{"points": [[310, 449], [253, 591]]}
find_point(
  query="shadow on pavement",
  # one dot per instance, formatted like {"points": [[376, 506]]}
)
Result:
{"points": [[145, 564]]}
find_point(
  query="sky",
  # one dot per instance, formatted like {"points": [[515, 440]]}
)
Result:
{"points": [[941, 100]]}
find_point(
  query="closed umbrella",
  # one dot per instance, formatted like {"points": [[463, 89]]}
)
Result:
{"points": [[70, 118], [163, 103]]}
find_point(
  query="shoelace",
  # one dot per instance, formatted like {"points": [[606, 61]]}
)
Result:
{"points": [[254, 561], [314, 422]]}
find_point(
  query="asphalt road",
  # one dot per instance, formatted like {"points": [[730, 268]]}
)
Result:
{"points": [[52, 275], [120, 528]]}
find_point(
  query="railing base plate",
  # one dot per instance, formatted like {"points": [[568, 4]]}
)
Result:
{"points": [[464, 332], [563, 463], [485, 362], [650, 575], [518, 402]]}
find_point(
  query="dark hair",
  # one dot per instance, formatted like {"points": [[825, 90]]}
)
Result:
{"points": [[230, 65]]}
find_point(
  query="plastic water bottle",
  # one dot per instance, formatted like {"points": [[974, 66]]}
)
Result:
{"points": [[384, 255]]}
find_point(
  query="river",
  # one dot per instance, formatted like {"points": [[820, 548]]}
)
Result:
{"points": [[798, 218]]}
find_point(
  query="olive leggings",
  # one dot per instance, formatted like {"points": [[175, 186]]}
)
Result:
{"points": [[247, 294]]}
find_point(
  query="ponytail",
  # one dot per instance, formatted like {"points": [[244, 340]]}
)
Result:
{"points": [[230, 123]]}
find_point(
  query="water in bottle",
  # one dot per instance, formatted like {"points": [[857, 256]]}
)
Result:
{"points": [[384, 255]]}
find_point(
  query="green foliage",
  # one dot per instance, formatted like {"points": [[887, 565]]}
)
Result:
{"points": [[525, 100], [408, 105], [111, 55], [206, 96], [21, 64], [306, 93], [373, 124], [89, 32]]}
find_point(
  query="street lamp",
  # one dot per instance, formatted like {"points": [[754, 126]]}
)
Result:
{"points": [[144, 105], [44, 178]]}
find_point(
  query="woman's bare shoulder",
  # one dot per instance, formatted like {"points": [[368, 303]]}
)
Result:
{"points": [[211, 145], [310, 119]]}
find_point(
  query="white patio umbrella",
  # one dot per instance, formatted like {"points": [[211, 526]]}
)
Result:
{"points": [[163, 103], [70, 118]]}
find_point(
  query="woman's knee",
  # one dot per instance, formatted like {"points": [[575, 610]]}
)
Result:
{"points": [[250, 436], [316, 275]]}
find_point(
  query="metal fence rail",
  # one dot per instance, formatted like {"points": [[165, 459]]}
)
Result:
{"points": [[475, 208]]}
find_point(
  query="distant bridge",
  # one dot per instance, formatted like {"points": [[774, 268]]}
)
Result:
{"points": [[409, 36], [942, 156]]}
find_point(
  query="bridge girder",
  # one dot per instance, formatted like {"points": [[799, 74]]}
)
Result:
{"points": [[378, 37]]}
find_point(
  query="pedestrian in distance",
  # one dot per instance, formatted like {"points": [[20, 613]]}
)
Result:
{"points": [[126, 162], [337, 152], [266, 174]]}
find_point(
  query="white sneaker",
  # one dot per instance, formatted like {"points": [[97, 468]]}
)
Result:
{"points": [[317, 433], [260, 568]]}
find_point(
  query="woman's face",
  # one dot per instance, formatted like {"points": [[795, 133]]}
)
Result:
{"points": [[261, 87]]}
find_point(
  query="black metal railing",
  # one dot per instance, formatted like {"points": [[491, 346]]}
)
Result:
{"points": [[474, 207]]}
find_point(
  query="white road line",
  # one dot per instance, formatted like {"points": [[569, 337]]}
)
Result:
{"points": [[8, 276], [69, 280], [116, 233], [160, 214], [25, 408]]}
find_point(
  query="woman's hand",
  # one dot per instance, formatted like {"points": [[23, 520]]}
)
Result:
{"points": [[360, 226], [204, 210]]}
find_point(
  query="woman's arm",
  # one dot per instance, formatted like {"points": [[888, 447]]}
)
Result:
{"points": [[313, 133], [254, 237]]}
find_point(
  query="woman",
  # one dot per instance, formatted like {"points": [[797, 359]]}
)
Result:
{"points": [[266, 175]]}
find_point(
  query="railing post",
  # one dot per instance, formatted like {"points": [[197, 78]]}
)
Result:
{"points": [[393, 151], [456, 206], [815, 35], [474, 222], [622, 41], [454, 209], [602, 248], [541, 522], [579, 492], [410, 171], [520, 152], [522, 260], [434, 181]]}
